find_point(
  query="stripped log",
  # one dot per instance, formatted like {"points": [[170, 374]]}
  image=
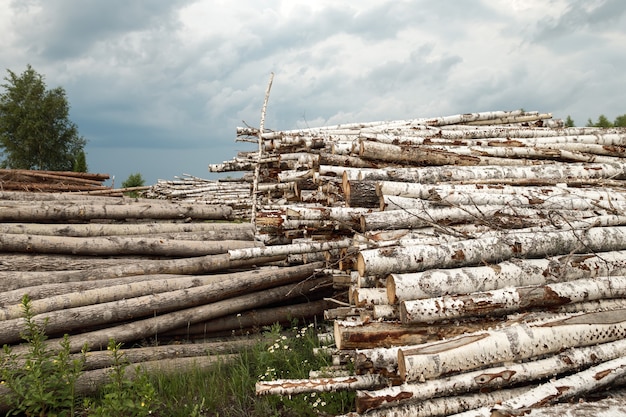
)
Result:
{"points": [[184, 266], [154, 326], [252, 320], [492, 378], [507, 300], [361, 335], [152, 210], [66, 320], [117, 245], [512, 273], [299, 386], [213, 231], [511, 343], [420, 257]]}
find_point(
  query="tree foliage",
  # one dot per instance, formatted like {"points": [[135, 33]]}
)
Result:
{"points": [[35, 130], [603, 121], [133, 180]]}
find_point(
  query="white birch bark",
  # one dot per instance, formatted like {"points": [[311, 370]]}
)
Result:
{"points": [[363, 297], [512, 273], [512, 343], [559, 389], [444, 406], [307, 247], [300, 386], [492, 378], [492, 249], [411, 218], [546, 172], [507, 300]]}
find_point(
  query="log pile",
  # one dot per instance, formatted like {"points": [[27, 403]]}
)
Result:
{"points": [[487, 256], [145, 272], [50, 181]]}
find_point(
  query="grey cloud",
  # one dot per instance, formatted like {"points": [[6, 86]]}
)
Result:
{"points": [[64, 29], [582, 14]]}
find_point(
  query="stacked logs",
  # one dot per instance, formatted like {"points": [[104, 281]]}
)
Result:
{"points": [[488, 257], [50, 181], [145, 272]]}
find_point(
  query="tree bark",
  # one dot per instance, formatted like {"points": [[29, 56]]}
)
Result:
{"points": [[213, 231], [359, 335], [559, 389], [184, 266], [68, 320], [492, 378], [513, 273], [523, 341], [152, 210], [117, 245], [300, 386], [511, 299], [384, 261]]}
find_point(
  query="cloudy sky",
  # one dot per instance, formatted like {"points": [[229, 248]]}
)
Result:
{"points": [[158, 87]]}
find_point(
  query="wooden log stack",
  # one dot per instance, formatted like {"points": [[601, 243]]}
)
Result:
{"points": [[487, 248], [146, 272], [471, 263], [51, 181]]}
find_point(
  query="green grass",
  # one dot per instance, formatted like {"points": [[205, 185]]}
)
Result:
{"points": [[42, 381], [228, 388]]}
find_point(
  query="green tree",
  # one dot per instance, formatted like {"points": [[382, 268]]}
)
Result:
{"points": [[569, 122], [620, 121], [602, 122], [80, 162], [133, 180], [35, 130]]}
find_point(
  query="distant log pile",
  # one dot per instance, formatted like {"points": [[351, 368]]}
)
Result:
{"points": [[488, 254], [50, 181]]}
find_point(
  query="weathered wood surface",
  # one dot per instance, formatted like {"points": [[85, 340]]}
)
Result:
{"points": [[84, 212], [64, 318]]}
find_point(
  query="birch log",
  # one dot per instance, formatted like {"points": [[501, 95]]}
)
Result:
{"points": [[479, 349], [492, 378], [580, 383], [299, 386], [539, 173], [507, 300], [420, 257], [444, 406], [512, 273]]}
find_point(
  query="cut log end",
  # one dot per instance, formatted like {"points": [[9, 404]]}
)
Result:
{"points": [[391, 289], [360, 265], [401, 365], [337, 335]]}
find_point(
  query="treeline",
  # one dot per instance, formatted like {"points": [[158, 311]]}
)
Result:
{"points": [[603, 121]]}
